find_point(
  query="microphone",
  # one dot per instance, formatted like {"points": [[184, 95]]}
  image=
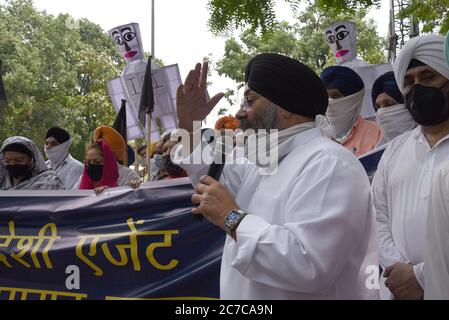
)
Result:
{"points": [[216, 169]]}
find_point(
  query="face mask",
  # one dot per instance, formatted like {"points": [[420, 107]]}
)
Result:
{"points": [[159, 162], [171, 168], [17, 170], [57, 154], [427, 105], [344, 112], [394, 121], [154, 168], [95, 171]]}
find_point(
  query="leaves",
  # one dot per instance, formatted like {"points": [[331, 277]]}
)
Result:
{"points": [[259, 15], [432, 14], [304, 41], [55, 75]]}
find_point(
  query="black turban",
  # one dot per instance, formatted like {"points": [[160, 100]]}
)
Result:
{"points": [[344, 79], [287, 83], [386, 83], [59, 134]]}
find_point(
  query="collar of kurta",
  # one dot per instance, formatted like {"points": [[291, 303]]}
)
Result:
{"points": [[419, 136]]}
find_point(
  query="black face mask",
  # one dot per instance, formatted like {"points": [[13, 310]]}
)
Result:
{"points": [[171, 168], [18, 170], [427, 105], [94, 171]]}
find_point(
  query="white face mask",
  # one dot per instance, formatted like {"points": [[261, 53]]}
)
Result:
{"points": [[344, 112], [57, 154], [394, 121]]}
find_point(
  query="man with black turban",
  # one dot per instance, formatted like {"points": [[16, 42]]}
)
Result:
{"points": [[392, 116], [57, 146], [346, 92], [303, 230]]}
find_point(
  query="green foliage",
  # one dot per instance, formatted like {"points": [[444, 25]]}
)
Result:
{"points": [[259, 15], [432, 14], [55, 74], [304, 41], [333, 7]]}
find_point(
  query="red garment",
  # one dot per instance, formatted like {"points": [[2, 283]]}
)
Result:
{"points": [[110, 170], [365, 137], [183, 174]]}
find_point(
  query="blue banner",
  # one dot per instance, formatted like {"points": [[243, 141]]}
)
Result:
{"points": [[124, 244]]}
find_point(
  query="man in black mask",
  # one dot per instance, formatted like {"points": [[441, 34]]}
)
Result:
{"points": [[402, 184]]}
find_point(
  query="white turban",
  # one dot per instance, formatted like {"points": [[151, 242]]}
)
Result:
{"points": [[446, 47], [428, 49]]}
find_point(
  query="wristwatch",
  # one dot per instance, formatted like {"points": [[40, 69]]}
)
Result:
{"points": [[233, 219]]}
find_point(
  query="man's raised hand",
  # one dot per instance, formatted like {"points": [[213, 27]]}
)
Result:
{"points": [[192, 103]]}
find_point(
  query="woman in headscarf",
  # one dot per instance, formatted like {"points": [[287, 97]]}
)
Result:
{"points": [[25, 168], [100, 168], [111, 140], [118, 146]]}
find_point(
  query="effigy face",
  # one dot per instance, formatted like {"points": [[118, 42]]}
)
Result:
{"points": [[341, 37], [128, 40]]}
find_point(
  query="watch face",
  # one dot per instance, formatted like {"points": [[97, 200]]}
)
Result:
{"points": [[233, 216]]}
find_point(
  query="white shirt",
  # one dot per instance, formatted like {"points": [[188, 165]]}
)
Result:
{"points": [[310, 229], [437, 253], [401, 189], [126, 175], [69, 171]]}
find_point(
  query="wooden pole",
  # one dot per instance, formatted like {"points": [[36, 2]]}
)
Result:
{"points": [[148, 146], [149, 116]]}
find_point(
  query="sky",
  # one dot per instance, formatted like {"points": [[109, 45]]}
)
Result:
{"points": [[181, 32]]}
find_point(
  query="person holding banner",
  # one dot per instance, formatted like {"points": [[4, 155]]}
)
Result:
{"points": [[402, 183], [118, 146], [346, 92], [392, 116], [100, 168], [25, 167], [57, 146], [303, 231]]}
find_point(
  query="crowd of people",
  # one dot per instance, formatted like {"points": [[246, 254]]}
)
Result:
{"points": [[312, 229], [105, 165]]}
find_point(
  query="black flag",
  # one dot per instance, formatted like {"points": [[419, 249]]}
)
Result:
{"points": [[3, 100], [147, 98], [120, 124]]}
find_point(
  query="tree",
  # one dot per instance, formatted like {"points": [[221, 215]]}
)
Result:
{"points": [[55, 74], [304, 41], [433, 15], [259, 15]]}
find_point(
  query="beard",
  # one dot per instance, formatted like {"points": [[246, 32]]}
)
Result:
{"points": [[265, 120]]}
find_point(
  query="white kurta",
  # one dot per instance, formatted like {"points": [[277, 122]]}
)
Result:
{"points": [[401, 189], [310, 232], [69, 171], [437, 253]]}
